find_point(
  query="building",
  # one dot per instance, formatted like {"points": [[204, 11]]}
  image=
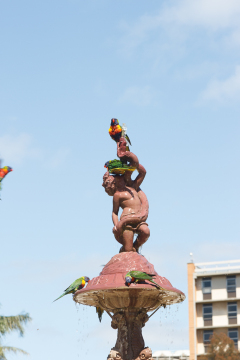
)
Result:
{"points": [[214, 303], [171, 355]]}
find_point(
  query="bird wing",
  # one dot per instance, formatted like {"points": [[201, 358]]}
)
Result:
{"points": [[141, 275], [74, 285], [127, 137], [156, 284], [138, 275]]}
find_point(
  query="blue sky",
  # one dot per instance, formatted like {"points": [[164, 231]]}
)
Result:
{"points": [[170, 70]]}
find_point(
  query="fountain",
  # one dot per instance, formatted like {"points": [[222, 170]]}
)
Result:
{"points": [[128, 307]]}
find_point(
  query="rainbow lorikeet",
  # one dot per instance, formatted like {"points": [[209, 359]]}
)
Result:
{"points": [[135, 276], [76, 285], [118, 167], [112, 164], [116, 131], [100, 312], [3, 172]]}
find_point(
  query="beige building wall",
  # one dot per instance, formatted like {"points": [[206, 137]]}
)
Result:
{"points": [[199, 295], [220, 316], [200, 345], [199, 315], [219, 287]]}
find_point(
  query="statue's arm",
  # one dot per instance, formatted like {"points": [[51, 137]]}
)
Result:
{"points": [[141, 175], [133, 160]]}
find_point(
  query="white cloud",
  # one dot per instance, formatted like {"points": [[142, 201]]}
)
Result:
{"points": [[15, 148], [206, 34], [225, 89], [214, 14], [182, 16], [140, 96]]}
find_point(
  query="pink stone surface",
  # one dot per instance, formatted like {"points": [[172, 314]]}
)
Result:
{"points": [[113, 274]]}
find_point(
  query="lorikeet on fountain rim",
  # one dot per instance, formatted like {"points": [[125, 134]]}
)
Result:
{"points": [[76, 285], [135, 276]]}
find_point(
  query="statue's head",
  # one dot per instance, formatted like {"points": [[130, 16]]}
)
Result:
{"points": [[114, 355], [112, 183], [109, 184], [145, 354]]}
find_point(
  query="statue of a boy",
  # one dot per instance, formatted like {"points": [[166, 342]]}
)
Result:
{"points": [[128, 196]]}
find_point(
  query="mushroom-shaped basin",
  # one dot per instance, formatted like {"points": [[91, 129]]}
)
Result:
{"points": [[109, 291]]}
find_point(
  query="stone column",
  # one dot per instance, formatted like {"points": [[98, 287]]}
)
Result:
{"points": [[129, 323]]}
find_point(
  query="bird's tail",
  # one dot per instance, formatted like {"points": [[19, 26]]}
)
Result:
{"points": [[100, 312], [60, 297], [128, 139], [159, 287]]}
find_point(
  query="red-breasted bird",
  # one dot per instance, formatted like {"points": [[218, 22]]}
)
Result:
{"points": [[116, 131], [3, 172], [76, 285], [135, 276]]}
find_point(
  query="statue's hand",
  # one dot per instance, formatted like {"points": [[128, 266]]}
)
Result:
{"points": [[117, 230], [114, 230]]}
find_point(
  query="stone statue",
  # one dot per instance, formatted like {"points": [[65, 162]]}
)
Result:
{"points": [[145, 354], [114, 355], [128, 195]]}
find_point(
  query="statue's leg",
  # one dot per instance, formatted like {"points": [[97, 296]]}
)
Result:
{"points": [[127, 240], [119, 239], [143, 235]]}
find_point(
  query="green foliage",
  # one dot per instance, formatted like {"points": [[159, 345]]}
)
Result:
{"points": [[221, 347], [8, 324], [3, 349]]}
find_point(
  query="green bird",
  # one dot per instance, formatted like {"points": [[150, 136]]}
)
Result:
{"points": [[76, 285], [100, 312], [135, 276]]}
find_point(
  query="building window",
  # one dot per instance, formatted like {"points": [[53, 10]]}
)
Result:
{"points": [[207, 334], [207, 314], [207, 288], [233, 334], [231, 285], [232, 313]]}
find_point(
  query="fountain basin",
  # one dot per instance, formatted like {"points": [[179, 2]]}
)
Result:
{"points": [[108, 290]]}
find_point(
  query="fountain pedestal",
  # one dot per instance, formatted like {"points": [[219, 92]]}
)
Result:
{"points": [[128, 306], [129, 323]]}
